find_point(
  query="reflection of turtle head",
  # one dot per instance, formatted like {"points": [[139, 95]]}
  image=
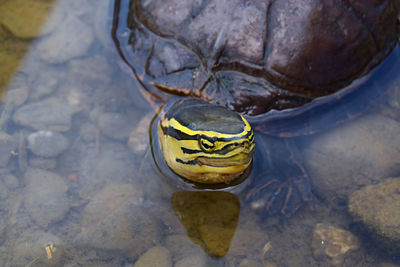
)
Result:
{"points": [[205, 143], [210, 218]]}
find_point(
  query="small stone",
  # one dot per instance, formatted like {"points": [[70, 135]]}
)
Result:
{"points": [[115, 125], [332, 243], [45, 196], [353, 155], [47, 143], [70, 40], [50, 114], [8, 144], [156, 257], [378, 208]]}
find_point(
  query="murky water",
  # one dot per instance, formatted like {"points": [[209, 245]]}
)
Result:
{"points": [[79, 187]]}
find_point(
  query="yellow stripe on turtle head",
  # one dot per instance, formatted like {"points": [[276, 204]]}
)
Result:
{"points": [[206, 155]]}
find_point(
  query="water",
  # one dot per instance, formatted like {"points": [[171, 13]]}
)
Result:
{"points": [[79, 187]]}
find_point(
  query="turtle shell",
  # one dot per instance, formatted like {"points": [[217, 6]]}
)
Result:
{"points": [[254, 56]]}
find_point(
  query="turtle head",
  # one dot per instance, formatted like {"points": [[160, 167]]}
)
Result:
{"points": [[205, 143]]}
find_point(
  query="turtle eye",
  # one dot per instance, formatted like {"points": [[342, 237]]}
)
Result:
{"points": [[206, 145]]}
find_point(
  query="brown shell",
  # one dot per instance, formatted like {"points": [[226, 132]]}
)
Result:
{"points": [[256, 55]]}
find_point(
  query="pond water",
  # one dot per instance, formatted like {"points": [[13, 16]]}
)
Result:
{"points": [[79, 186]]}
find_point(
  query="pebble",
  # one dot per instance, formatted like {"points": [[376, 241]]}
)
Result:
{"points": [[71, 39], [155, 257], [45, 196], [356, 154], [331, 243], [377, 207], [8, 143], [50, 114], [47, 143]]}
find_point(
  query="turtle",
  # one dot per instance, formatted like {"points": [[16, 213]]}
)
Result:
{"points": [[238, 72]]}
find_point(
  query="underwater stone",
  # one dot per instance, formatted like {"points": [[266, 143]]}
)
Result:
{"points": [[51, 114], [332, 243], [70, 40], [156, 256], [377, 207], [355, 154], [45, 196], [47, 143]]}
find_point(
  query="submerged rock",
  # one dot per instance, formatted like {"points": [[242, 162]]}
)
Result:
{"points": [[332, 243], [156, 257], [45, 196], [107, 200], [50, 114], [377, 207], [122, 228], [47, 143], [356, 154], [70, 39]]}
